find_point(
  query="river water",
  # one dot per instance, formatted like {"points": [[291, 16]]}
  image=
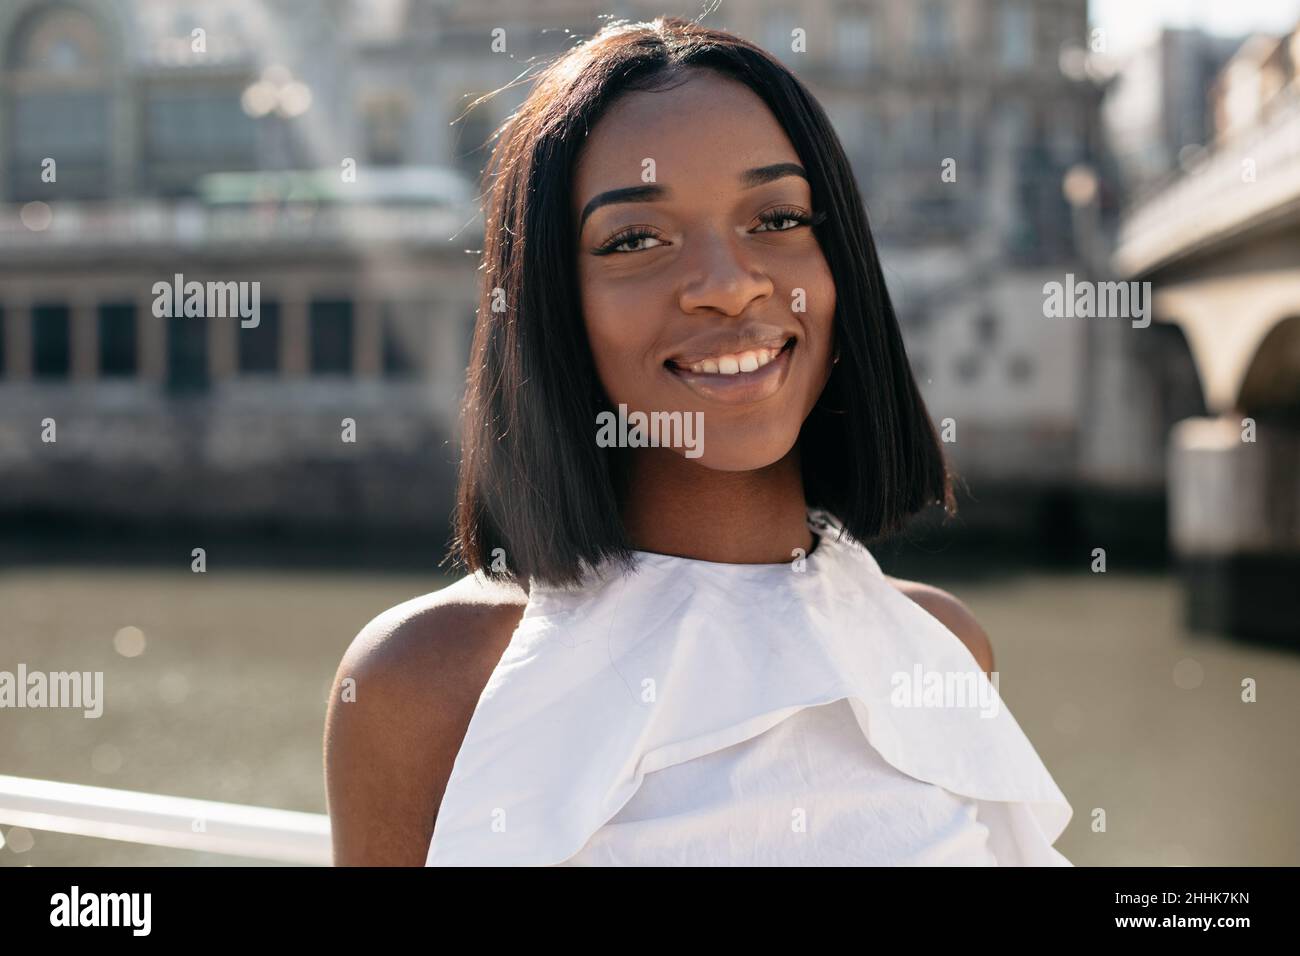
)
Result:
{"points": [[216, 688]]}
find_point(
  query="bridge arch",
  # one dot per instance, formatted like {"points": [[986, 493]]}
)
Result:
{"points": [[1271, 385]]}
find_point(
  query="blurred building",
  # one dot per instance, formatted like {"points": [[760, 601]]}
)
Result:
{"points": [[1219, 244], [994, 94], [997, 95], [270, 143], [211, 140], [962, 120], [1156, 111]]}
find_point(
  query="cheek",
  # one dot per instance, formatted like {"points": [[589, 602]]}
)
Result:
{"points": [[819, 323], [618, 340]]}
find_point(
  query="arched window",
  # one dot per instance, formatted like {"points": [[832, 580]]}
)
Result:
{"points": [[58, 105]]}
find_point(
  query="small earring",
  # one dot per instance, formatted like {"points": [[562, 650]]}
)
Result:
{"points": [[835, 360]]}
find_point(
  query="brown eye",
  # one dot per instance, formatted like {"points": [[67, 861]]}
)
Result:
{"points": [[625, 238], [783, 220]]}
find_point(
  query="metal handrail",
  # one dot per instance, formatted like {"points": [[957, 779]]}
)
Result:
{"points": [[285, 836]]}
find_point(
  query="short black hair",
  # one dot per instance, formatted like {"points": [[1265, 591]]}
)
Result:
{"points": [[533, 482]]}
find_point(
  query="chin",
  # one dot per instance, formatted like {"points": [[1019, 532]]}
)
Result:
{"points": [[743, 452]]}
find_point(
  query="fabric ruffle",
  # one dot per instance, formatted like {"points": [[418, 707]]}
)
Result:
{"points": [[602, 685]]}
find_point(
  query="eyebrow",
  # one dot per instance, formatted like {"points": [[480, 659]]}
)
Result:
{"points": [[649, 193]]}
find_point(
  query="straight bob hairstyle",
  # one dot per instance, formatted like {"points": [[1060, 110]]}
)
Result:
{"points": [[533, 481]]}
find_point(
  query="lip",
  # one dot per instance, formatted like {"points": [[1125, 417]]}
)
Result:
{"points": [[731, 346], [742, 388]]}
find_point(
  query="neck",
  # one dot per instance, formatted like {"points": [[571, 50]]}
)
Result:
{"points": [[678, 507]]}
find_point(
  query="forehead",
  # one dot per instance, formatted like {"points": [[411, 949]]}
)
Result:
{"points": [[704, 128]]}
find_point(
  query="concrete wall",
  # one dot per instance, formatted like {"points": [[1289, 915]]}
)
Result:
{"points": [[255, 456]]}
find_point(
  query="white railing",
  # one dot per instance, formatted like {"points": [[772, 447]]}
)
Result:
{"points": [[285, 836]]}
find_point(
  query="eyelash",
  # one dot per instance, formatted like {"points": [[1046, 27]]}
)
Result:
{"points": [[780, 214]]}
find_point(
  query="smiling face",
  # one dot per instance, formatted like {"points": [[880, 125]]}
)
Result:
{"points": [[703, 287]]}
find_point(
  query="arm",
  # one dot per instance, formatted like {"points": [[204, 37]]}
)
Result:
{"points": [[415, 672]]}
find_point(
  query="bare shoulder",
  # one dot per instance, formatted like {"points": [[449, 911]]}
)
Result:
{"points": [[952, 614], [433, 628], [400, 705]]}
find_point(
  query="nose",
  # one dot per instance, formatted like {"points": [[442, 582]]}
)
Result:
{"points": [[723, 278]]}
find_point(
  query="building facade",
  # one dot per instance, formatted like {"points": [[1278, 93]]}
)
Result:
{"points": [[328, 151]]}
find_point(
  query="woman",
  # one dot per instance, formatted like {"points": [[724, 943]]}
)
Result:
{"points": [[677, 650]]}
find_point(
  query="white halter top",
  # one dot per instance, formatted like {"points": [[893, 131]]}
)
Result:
{"points": [[699, 713]]}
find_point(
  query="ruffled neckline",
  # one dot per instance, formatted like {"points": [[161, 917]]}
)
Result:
{"points": [[563, 733]]}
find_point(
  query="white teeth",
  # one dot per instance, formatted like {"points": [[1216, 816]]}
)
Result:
{"points": [[732, 364]]}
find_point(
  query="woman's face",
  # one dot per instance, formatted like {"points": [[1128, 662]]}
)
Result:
{"points": [[703, 288]]}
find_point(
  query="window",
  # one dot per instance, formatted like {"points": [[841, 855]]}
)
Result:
{"points": [[187, 353], [401, 355], [1017, 33], [1014, 117], [70, 128], [60, 106], [385, 119], [853, 40], [117, 340], [948, 131], [921, 122], [51, 339], [193, 129], [986, 328], [259, 346], [331, 337], [932, 40], [63, 42], [1066, 134]]}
